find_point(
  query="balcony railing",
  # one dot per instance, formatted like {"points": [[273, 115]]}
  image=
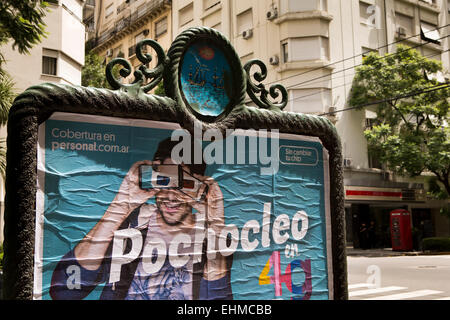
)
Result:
{"points": [[130, 19]]}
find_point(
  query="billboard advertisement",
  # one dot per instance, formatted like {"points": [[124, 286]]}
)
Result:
{"points": [[143, 210]]}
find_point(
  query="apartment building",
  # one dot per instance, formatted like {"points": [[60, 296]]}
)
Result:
{"points": [[312, 48], [116, 26], [58, 58]]}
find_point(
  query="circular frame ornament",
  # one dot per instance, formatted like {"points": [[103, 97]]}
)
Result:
{"points": [[205, 75]]}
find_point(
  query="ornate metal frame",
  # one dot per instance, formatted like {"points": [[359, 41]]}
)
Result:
{"points": [[37, 103]]}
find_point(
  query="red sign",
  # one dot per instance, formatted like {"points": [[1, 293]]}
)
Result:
{"points": [[364, 193], [373, 193]]}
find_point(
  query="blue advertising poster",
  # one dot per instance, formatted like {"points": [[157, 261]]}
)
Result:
{"points": [[141, 210]]}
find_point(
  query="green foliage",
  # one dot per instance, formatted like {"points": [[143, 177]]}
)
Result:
{"points": [[93, 71], [22, 21], [410, 135], [436, 244], [7, 95], [160, 90], [435, 190]]}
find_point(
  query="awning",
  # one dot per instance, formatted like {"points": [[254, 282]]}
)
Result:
{"points": [[428, 32], [383, 194]]}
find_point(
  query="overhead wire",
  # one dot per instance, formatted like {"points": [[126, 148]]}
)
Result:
{"points": [[355, 56], [298, 85], [344, 84], [352, 67], [408, 95]]}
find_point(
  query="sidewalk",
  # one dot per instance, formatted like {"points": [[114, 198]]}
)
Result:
{"points": [[385, 252]]}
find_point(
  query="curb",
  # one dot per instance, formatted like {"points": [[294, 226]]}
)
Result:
{"points": [[383, 253]]}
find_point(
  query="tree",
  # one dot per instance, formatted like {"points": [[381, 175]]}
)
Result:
{"points": [[160, 89], [7, 95], [93, 72], [410, 134], [22, 21]]}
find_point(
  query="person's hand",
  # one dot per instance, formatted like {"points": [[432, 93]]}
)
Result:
{"points": [[213, 202], [215, 268], [130, 194]]}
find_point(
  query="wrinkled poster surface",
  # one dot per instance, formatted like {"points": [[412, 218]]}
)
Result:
{"points": [[136, 209]]}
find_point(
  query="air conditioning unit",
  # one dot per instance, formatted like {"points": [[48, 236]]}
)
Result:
{"points": [[146, 32], [347, 162], [247, 34], [401, 31], [272, 14], [109, 52], [274, 60]]}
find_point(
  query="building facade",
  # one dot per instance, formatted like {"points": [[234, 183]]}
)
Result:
{"points": [[116, 26], [312, 47], [58, 58]]}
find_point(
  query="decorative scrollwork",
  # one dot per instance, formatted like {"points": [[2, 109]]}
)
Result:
{"points": [[254, 89], [142, 72]]}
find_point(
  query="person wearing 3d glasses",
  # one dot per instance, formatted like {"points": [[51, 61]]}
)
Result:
{"points": [[171, 262]]}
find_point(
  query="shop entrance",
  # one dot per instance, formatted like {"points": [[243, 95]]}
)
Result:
{"points": [[422, 226], [369, 225]]}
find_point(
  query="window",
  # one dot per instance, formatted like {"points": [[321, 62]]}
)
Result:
{"points": [[431, 53], [244, 21], [374, 161], [139, 37], [186, 15], [302, 5], [429, 32], [117, 52], [308, 48], [217, 27], [210, 3], [141, 10], [404, 24], [49, 61], [49, 65], [109, 11], [285, 52], [370, 121], [369, 15], [161, 27]]}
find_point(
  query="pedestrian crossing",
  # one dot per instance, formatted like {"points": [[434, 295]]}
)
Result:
{"points": [[368, 291]]}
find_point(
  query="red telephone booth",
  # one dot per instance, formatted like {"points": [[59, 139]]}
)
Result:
{"points": [[401, 234]]}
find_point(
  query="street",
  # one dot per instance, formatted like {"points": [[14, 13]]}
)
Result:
{"points": [[399, 277]]}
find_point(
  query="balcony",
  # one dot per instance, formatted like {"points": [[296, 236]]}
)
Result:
{"points": [[88, 9], [132, 19]]}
